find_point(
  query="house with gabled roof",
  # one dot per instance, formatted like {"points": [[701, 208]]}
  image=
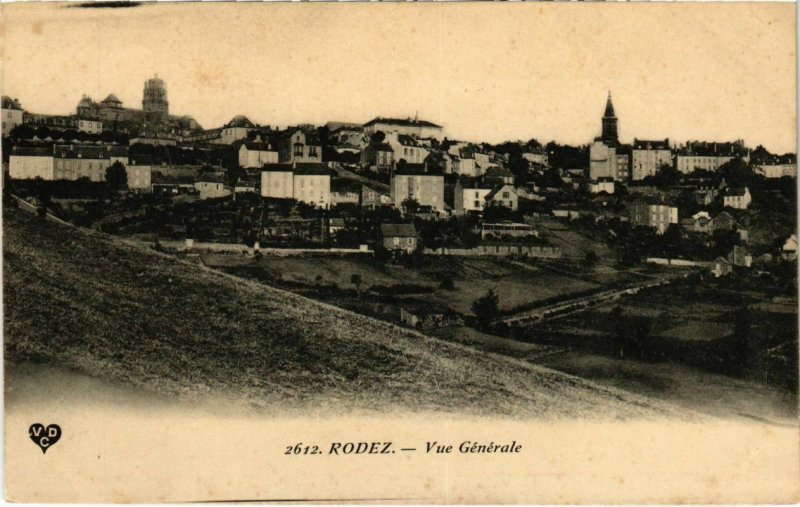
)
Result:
{"points": [[737, 197], [256, 153], [399, 237], [503, 195]]}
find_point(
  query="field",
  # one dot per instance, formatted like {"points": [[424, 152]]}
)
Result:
{"points": [[516, 283], [746, 333], [83, 301]]}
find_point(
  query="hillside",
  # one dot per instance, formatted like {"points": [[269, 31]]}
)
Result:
{"points": [[82, 300]]}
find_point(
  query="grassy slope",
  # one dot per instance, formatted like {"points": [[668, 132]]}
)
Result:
{"points": [[80, 299]]}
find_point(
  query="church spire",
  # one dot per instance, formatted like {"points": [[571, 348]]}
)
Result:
{"points": [[609, 136], [609, 107]]}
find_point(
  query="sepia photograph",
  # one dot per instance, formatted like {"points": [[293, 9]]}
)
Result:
{"points": [[411, 253]]}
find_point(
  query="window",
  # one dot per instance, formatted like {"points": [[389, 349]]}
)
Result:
{"points": [[476, 204], [312, 151], [505, 195], [298, 150]]}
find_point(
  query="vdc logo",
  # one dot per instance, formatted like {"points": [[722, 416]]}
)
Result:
{"points": [[44, 437]]}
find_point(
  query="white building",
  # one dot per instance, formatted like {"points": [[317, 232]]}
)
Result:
{"points": [[406, 148], [89, 126], [31, 163], [238, 128], [412, 127], [738, 198], [414, 182], [602, 185], [470, 198], [777, 170], [647, 157], [309, 183], [255, 154]]}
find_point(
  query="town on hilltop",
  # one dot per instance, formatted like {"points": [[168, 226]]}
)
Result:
{"points": [[626, 249]]}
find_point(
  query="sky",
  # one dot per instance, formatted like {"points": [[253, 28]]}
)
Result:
{"points": [[485, 71]]}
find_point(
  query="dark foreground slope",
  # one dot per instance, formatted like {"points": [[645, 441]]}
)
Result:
{"points": [[78, 299]]}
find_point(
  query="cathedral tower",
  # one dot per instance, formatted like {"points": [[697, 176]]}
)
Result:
{"points": [[154, 101]]}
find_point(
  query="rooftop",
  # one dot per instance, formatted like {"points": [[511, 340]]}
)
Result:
{"points": [[407, 122], [398, 230]]}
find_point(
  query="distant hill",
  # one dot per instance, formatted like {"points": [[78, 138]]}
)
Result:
{"points": [[83, 300]]}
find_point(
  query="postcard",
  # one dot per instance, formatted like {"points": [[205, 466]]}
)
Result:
{"points": [[405, 253]]}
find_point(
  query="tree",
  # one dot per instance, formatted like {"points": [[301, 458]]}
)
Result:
{"points": [[378, 137], [356, 280], [410, 206], [666, 176], [590, 259], [486, 308], [447, 284], [736, 173], [116, 176]]}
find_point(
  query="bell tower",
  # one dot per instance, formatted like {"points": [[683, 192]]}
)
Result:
{"points": [[610, 136], [154, 101]]}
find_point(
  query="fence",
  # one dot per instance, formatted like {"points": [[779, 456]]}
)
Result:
{"points": [[242, 249], [542, 252], [678, 263]]}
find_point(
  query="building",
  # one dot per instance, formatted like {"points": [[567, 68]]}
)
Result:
{"points": [[737, 197], [345, 192], [296, 145], [312, 184], [378, 157], [153, 138], [789, 249], [372, 197], [498, 176], [238, 128], [537, 157], [154, 100], [412, 127], [30, 163], [470, 196], [708, 156], [647, 157], [140, 176], [73, 162], [777, 170], [512, 229], [154, 113], [277, 181], [426, 315], [305, 182], [417, 183], [399, 237], [739, 256], [503, 195], [652, 213], [211, 185], [12, 114], [463, 166], [60, 122], [721, 267], [607, 157], [406, 148], [254, 154], [602, 185]]}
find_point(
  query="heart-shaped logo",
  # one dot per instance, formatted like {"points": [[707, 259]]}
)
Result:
{"points": [[44, 437]]}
